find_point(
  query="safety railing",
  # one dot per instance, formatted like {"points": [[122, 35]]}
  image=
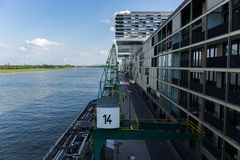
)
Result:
{"points": [[193, 128], [130, 125]]}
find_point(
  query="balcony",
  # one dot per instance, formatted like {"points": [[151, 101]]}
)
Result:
{"points": [[196, 86], [234, 97], [217, 62], [215, 92], [218, 30], [175, 81], [163, 47], [198, 37], [236, 23], [235, 61], [183, 103], [215, 122], [184, 63], [184, 83], [184, 42], [209, 145], [194, 107], [233, 133], [175, 45], [169, 45]]}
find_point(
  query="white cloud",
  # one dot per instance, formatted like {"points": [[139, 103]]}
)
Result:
{"points": [[105, 21], [112, 29], [22, 48], [103, 52], [37, 44], [4, 46], [41, 42], [122, 12], [65, 59]]}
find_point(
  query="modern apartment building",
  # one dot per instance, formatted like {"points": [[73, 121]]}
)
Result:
{"points": [[190, 69], [133, 28]]}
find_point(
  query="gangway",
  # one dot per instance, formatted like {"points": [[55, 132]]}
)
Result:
{"points": [[146, 130]]}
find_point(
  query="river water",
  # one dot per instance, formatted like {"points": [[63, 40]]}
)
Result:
{"points": [[36, 108]]}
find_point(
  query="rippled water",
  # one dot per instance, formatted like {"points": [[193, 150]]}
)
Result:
{"points": [[36, 108]]}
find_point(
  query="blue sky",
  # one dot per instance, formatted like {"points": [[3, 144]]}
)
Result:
{"points": [[63, 31]]}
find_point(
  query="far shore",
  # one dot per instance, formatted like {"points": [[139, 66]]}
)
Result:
{"points": [[12, 71]]}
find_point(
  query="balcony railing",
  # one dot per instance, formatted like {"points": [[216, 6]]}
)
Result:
{"points": [[215, 122], [234, 97], [184, 42], [235, 23], [198, 37], [233, 133], [196, 86], [217, 62], [209, 145], [235, 61], [176, 46], [215, 92], [184, 63], [218, 30], [184, 83], [175, 81]]}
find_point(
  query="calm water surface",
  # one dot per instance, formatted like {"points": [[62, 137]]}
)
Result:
{"points": [[36, 108]]}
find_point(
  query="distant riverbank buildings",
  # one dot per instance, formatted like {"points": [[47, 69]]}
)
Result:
{"points": [[132, 29], [190, 69]]}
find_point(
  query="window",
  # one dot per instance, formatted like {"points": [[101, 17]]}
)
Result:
{"points": [[211, 76], [147, 71], [155, 62], [234, 81], [212, 52], [197, 58], [155, 50], [184, 75], [235, 47], [195, 75]]}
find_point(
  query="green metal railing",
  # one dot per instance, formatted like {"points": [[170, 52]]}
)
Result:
{"points": [[109, 79]]}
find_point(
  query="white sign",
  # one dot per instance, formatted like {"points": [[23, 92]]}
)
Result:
{"points": [[108, 118]]}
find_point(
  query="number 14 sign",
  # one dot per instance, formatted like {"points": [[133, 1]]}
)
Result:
{"points": [[108, 118]]}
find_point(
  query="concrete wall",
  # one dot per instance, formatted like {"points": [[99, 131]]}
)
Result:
{"points": [[176, 22], [212, 3]]}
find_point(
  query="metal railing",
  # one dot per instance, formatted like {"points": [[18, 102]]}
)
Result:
{"points": [[136, 125], [193, 128]]}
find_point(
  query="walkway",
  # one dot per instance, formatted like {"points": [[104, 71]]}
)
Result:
{"points": [[128, 147], [157, 149], [143, 150]]}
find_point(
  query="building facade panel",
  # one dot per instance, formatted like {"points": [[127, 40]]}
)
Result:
{"points": [[194, 72], [176, 22]]}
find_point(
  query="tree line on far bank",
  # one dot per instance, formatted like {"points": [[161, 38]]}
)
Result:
{"points": [[34, 66]]}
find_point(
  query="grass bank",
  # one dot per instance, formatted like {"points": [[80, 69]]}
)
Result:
{"points": [[5, 71]]}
